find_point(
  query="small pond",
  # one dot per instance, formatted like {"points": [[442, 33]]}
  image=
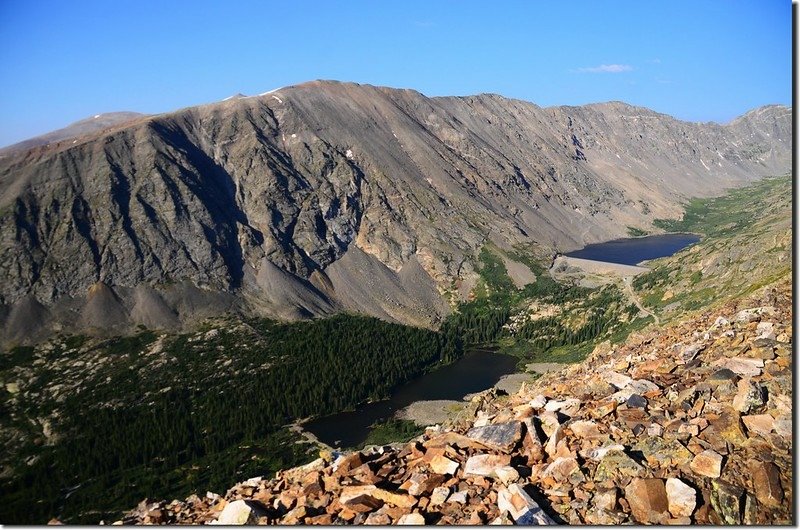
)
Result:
{"points": [[477, 370]]}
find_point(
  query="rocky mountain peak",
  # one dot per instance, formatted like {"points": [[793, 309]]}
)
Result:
{"points": [[302, 183]]}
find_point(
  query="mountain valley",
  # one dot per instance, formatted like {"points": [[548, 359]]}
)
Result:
{"points": [[161, 404], [179, 293]]}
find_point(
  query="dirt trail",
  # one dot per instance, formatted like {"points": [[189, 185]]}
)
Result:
{"points": [[626, 280]]}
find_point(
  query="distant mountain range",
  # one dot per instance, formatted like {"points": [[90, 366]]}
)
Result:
{"points": [[329, 196], [96, 123]]}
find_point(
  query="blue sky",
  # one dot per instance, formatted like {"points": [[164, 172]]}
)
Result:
{"points": [[698, 60]]}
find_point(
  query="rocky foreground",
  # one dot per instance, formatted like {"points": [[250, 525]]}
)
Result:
{"points": [[690, 424]]}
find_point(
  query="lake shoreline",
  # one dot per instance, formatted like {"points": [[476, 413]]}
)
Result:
{"points": [[431, 412], [478, 369]]}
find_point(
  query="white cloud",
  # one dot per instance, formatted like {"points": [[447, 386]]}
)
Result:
{"points": [[607, 69]]}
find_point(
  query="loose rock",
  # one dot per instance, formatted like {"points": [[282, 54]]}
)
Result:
{"points": [[707, 464], [647, 499], [682, 499]]}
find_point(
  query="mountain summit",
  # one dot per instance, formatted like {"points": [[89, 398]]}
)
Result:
{"points": [[329, 196]]}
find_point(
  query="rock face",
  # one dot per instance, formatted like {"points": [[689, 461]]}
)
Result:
{"points": [[620, 473], [327, 196]]}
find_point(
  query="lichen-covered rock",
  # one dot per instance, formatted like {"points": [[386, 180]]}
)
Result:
{"points": [[502, 436], [726, 500]]}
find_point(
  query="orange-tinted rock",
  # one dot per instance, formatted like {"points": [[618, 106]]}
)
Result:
{"points": [[484, 465], [707, 464], [648, 500], [767, 483], [443, 465], [759, 424]]}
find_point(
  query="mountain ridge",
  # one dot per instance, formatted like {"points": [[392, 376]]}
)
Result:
{"points": [[78, 129], [118, 117], [200, 203]]}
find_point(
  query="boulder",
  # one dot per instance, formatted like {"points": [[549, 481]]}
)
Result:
{"points": [[439, 496], [749, 396], [661, 452], [642, 386], [605, 499], [648, 500], [538, 402], [241, 512], [564, 469], [616, 464], [707, 464], [767, 483], [458, 497], [411, 519], [423, 484], [743, 366], [726, 500], [617, 379], [682, 499], [568, 407], [499, 436], [532, 447], [520, 506], [349, 493], [485, 465], [552, 443], [636, 401], [443, 465], [506, 474], [727, 427], [585, 429], [596, 454], [761, 424]]}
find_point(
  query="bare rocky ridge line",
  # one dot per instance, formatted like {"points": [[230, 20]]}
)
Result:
{"points": [[93, 124], [690, 424], [330, 196]]}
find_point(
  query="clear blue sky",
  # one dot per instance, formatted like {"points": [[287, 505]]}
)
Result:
{"points": [[698, 60]]}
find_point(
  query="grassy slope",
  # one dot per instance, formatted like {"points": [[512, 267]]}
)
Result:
{"points": [[546, 321], [747, 243]]}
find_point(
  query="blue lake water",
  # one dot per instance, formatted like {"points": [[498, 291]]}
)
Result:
{"points": [[477, 370], [631, 251]]}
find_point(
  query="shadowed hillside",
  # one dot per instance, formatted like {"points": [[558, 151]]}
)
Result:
{"points": [[290, 203]]}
